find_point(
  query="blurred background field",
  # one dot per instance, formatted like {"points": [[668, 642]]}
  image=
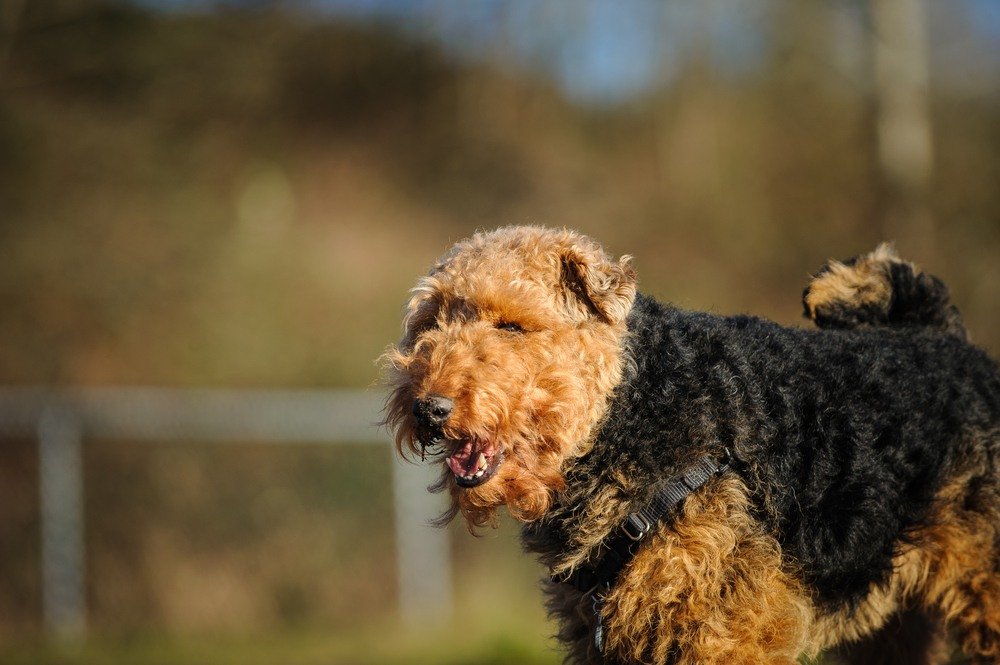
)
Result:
{"points": [[239, 194]]}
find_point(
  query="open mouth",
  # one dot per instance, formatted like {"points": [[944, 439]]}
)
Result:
{"points": [[474, 462]]}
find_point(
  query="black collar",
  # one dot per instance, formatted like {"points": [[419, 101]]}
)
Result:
{"points": [[598, 578]]}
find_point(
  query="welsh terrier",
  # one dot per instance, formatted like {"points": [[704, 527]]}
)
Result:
{"points": [[714, 489]]}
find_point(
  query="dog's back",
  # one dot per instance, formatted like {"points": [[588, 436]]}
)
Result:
{"points": [[851, 434]]}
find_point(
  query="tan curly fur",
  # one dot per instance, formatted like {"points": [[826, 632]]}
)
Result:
{"points": [[540, 404], [956, 579], [711, 588]]}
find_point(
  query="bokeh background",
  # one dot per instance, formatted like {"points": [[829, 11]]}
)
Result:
{"points": [[239, 194]]}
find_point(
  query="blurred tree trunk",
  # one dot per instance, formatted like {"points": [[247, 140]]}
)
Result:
{"points": [[903, 122], [688, 130]]}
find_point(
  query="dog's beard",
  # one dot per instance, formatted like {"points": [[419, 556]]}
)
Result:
{"points": [[523, 480]]}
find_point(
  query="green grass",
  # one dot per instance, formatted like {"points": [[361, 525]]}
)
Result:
{"points": [[372, 646]]}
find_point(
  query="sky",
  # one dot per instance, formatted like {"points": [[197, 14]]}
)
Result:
{"points": [[610, 51]]}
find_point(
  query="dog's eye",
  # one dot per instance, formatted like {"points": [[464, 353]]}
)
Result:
{"points": [[509, 326]]}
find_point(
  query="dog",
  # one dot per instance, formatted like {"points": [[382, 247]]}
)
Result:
{"points": [[714, 489]]}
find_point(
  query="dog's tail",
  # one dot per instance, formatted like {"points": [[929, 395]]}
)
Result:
{"points": [[879, 289]]}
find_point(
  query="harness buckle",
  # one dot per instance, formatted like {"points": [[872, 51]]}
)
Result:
{"points": [[636, 526], [597, 604], [727, 460]]}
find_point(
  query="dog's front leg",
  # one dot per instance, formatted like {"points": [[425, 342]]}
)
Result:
{"points": [[710, 587]]}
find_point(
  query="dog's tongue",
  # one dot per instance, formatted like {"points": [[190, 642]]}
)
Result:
{"points": [[464, 462]]}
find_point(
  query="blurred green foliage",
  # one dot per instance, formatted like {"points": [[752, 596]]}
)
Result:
{"points": [[243, 198]]}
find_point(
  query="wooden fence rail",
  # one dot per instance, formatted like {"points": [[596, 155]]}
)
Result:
{"points": [[63, 420]]}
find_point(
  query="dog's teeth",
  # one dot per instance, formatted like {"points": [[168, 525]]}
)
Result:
{"points": [[482, 466]]}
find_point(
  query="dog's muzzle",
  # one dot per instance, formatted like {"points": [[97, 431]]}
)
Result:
{"points": [[431, 413]]}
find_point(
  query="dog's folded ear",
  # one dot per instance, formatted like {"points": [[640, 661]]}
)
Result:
{"points": [[597, 286]]}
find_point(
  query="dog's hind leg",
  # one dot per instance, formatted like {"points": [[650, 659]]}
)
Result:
{"points": [[971, 607], [963, 570], [879, 289], [976, 619], [946, 578], [968, 597]]}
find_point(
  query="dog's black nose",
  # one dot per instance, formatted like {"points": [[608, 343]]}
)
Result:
{"points": [[433, 410]]}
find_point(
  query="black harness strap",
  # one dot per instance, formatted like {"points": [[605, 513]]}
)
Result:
{"points": [[597, 580]]}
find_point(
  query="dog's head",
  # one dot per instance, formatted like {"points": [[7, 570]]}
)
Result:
{"points": [[511, 349]]}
